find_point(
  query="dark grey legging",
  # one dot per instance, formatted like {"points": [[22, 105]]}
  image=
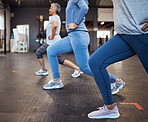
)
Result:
{"points": [[42, 50]]}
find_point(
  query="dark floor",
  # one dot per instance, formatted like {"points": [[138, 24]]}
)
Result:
{"points": [[22, 98]]}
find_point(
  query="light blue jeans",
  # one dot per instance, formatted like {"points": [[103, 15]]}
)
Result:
{"points": [[76, 41]]}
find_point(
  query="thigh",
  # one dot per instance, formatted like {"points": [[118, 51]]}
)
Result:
{"points": [[80, 41], [112, 51], [59, 47], [42, 49], [139, 43]]}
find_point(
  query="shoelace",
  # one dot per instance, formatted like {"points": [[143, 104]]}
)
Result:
{"points": [[76, 72], [101, 108], [52, 84], [113, 86], [41, 71]]}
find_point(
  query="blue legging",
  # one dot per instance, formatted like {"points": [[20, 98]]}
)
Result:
{"points": [[76, 41], [118, 48]]}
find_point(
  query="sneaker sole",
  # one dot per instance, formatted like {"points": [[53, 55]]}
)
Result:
{"points": [[111, 116], [41, 74], [48, 88], [75, 76]]}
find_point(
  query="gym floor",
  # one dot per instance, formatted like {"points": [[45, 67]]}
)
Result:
{"points": [[22, 98]]}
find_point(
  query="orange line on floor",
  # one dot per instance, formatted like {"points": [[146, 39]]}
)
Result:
{"points": [[136, 104], [15, 71]]}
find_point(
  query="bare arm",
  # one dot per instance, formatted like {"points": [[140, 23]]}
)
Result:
{"points": [[80, 15], [54, 28]]}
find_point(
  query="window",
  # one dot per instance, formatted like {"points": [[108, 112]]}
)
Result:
{"points": [[103, 34]]}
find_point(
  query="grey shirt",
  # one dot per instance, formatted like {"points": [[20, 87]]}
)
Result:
{"points": [[57, 36], [128, 14]]}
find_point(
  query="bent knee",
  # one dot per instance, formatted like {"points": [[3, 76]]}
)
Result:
{"points": [[96, 63], [39, 54], [50, 51], [37, 51], [61, 62], [93, 61]]}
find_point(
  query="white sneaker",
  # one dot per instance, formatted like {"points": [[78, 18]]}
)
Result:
{"points": [[105, 113], [76, 73], [115, 87], [41, 72], [53, 85]]}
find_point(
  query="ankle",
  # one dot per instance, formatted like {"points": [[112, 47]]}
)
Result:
{"points": [[57, 79], [117, 80], [110, 106], [78, 69]]}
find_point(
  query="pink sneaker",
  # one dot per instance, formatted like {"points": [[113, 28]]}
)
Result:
{"points": [[104, 112]]}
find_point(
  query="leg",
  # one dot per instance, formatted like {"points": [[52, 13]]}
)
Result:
{"points": [[113, 51], [42, 63], [53, 52], [40, 52], [79, 41], [139, 44], [70, 64], [66, 62], [59, 47]]}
